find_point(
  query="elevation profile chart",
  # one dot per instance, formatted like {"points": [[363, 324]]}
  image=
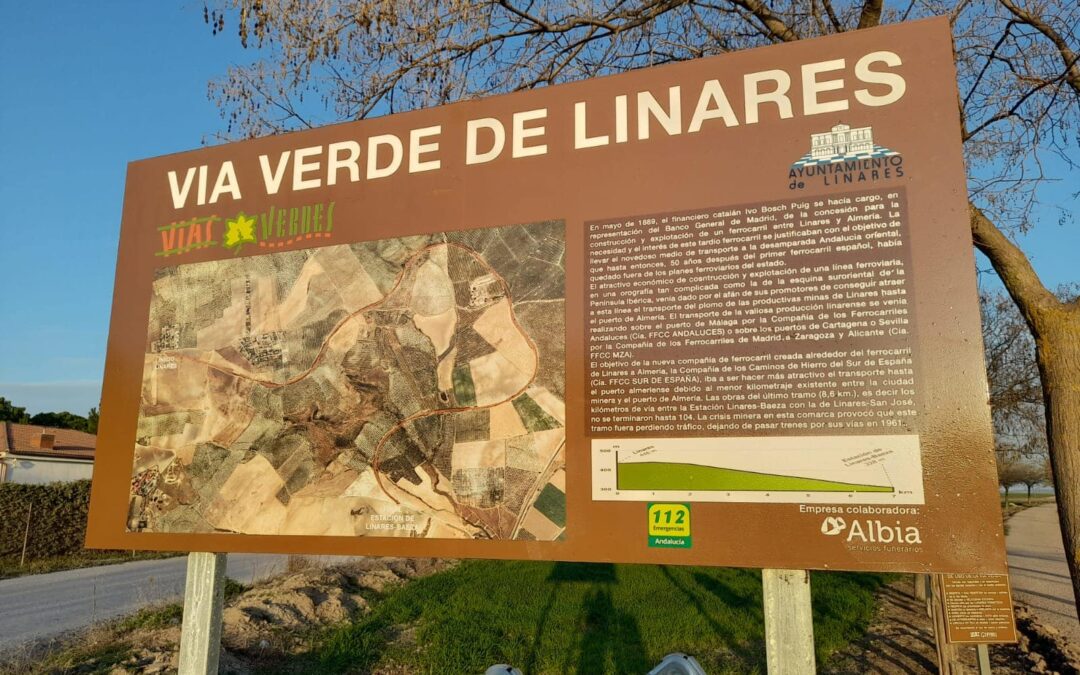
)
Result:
{"points": [[789, 469]]}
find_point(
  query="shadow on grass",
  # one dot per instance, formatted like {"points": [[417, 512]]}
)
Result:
{"points": [[596, 573], [733, 612], [548, 617], [529, 664], [744, 597], [608, 636], [611, 638], [843, 608]]}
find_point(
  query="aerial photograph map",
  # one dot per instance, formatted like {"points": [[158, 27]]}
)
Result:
{"points": [[408, 387]]}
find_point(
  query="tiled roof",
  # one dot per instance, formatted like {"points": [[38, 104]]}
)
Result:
{"points": [[67, 444]]}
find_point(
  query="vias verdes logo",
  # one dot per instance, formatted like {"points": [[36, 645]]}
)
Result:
{"points": [[275, 228]]}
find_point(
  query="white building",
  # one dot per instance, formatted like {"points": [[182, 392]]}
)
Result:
{"points": [[33, 455], [842, 140]]}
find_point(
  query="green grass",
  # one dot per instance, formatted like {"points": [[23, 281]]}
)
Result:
{"points": [[579, 618], [1037, 497], [153, 618], [695, 477]]}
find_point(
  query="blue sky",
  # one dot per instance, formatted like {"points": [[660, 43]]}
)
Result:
{"points": [[87, 88]]}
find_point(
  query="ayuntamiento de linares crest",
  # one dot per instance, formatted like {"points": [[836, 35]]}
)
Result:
{"points": [[845, 156]]}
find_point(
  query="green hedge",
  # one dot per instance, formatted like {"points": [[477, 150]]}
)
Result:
{"points": [[57, 518]]}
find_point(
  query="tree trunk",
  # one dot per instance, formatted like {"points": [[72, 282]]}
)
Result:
{"points": [[1029, 494], [1006, 496], [1056, 328], [1058, 353]]}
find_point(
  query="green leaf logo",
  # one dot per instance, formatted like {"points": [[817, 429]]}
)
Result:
{"points": [[239, 231]]}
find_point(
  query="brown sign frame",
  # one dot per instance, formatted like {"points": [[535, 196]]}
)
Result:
{"points": [[959, 524]]}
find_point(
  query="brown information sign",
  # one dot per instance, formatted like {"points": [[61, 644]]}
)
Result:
{"points": [[978, 608], [739, 287]]}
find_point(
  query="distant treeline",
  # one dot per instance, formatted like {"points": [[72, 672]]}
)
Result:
{"points": [[9, 412]]}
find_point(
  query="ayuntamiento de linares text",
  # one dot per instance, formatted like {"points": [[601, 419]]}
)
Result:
{"points": [[852, 170]]}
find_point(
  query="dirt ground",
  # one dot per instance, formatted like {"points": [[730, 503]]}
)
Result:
{"points": [[260, 626], [900, 641]]}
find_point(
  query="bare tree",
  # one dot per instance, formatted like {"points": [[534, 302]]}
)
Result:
{"points": [[1016, 400], [1008, 473], [1012, 372], [1030, 475], [1010, 469], [1019, 82]]}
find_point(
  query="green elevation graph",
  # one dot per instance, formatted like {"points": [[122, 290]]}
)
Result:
{"points": [[684, 477]]}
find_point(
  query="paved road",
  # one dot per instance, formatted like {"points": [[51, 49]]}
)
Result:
{"points": [[45, 605], [1037, 568]]}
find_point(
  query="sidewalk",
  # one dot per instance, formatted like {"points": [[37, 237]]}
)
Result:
{"points": [[1038, 571]]}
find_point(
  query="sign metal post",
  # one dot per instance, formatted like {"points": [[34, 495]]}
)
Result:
{"points": [[982, 651], [789, 622], [204, 595]]}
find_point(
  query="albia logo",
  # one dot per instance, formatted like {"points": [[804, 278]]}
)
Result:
{"points": [[833, 525], [845, 155], [871, 531]]}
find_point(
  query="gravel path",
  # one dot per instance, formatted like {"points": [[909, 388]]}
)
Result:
{"points": [[1037, 569]]}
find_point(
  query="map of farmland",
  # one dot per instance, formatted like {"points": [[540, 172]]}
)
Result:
{"points": [[408, 387]]}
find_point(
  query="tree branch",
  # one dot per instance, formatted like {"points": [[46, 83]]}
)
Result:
{"points": [[777, 28], [1068, 57], [989, 59], [1013, 110], [871, 14], [837, 26], [1021, 281]]}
